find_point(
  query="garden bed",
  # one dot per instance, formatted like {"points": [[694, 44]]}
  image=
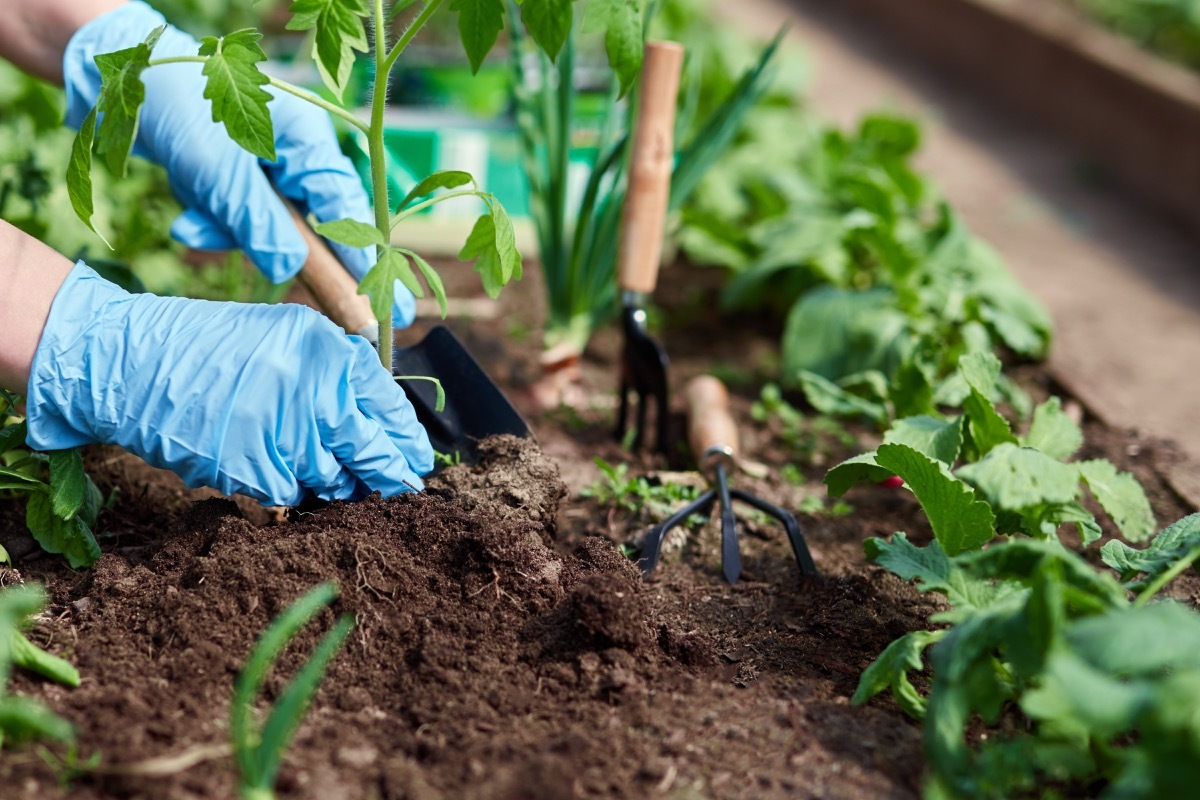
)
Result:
{"points": [[504, 647], [1135, 113]]}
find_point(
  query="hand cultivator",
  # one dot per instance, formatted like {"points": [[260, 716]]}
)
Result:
{"points": [[712, 435], [644, 362]]}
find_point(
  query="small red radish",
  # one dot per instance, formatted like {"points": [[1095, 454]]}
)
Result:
{"points": [[892, 482]]}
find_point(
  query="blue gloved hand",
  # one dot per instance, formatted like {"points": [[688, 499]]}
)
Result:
{"points": [[228, 198], [274, 402]]}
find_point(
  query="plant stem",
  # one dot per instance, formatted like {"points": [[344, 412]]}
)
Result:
{"points": [[283, 86], [378, 155], [1160, 582], [418, 23]]}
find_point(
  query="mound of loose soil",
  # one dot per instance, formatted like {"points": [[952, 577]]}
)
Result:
{"points": [[488, 661]]}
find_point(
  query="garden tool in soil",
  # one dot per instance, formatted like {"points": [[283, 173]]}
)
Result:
{"points": [[643, 219], [712, 435], [475, 407]]}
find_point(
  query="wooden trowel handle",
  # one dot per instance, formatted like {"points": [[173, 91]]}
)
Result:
{"points": [[334, 289], [711, 429], [653, 158]]}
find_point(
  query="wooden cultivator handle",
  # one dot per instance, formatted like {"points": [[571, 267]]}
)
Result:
{"points": [[712, 433], [334, 289], [653, 158]]}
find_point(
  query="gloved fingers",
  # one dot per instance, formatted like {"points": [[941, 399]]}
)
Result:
{"points": [[230, 191], [363, 448], [381, 399], [197, 230]]}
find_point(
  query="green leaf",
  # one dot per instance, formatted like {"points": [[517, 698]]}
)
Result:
{"points": [[835, 332], [23, 720], [447, 179], [68, 483], [934, 570], [1015, 478], [380, 283], [15, 480], [960, 521], [79, 172], [33, 659], [235, 88], [853, 471], [1025, 560], [1174, 543], [72, 538], [432, 278], [829, 398], [351, 232], [339, 32], [1053, 432], [549, 23], [890, 671], [13, 436], [988, 429], [1122, 498], [622, 25], [492, 244], [939, 439], [121, 100], [479, 24]]}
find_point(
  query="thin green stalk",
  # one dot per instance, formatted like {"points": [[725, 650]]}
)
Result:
{"points": [[283, 86], [441, 198], [412, 31], [1155, 586], [378, 155]]}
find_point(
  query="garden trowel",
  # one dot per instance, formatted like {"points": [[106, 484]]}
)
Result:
{"points": [[475, 407]]}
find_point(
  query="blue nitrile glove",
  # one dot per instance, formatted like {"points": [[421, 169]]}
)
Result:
{"points": [[228, 199], [270, 401]]}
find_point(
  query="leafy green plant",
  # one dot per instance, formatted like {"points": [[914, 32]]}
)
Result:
{"points": [[231, 65], [578, 236], [810, 439], [61, 501], [1076, 685], [645, 499], [23, 719], [259, 750], [1007, 484]]}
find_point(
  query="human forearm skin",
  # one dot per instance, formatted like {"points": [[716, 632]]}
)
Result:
{"points": [[31, 274], [34, 33]]}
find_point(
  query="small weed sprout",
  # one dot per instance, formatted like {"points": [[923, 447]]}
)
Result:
{"points": [[259, 751], [809, 439], [645, 499]]}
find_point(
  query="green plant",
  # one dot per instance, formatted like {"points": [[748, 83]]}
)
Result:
{"points": [[61, 501], [22, 719], [259, 750], [1008, 484], [231, 65], [1170, 28], [809, 439], [646, 499], [578, 236]]}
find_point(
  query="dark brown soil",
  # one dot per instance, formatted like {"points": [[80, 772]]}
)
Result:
{"points": [[504, 647]]}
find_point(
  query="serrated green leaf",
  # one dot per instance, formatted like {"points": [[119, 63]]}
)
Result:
{"points": [[939, 439], [988, 428], [1024, 560], [351, 232], [622, 25], [68, 483], [1121, 497], [72, 538], [479, 24], [379, 284], [960, 521], [549, 23], [339, 32], [1015, 478], [235, 88], [15, 480], [79, 172], [853, 471], [433, 279], [121, 100], [1053, 432], [911, 390], [448, 179], [1171, 544], [933, 570], [890, 671], [492, 245]]}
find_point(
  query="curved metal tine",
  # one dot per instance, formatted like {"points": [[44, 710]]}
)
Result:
{"points": [[731, 557], [795, 536], [652, 544], [623, 411]]}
